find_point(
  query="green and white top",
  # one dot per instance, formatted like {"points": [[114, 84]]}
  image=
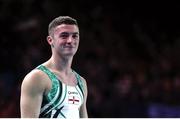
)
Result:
{"points": [[62, 101]]}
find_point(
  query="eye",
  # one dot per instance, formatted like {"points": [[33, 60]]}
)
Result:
{"points": [[64, 35], [75, 36]]}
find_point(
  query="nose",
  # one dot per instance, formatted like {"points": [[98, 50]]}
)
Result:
{"points": [[69, 40]]}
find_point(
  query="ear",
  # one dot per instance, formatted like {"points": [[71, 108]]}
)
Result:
{"points": [[50, 40]]}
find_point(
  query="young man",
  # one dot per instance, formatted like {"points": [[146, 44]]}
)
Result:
{"points": [[54, 89]]}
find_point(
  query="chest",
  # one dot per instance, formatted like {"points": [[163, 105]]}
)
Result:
{"points": [[70, 80], [73, 97], [65, 96]]}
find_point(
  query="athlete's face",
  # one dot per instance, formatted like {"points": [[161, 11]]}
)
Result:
{"points": [[65, 39]]}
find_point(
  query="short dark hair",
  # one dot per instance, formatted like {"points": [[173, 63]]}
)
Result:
{"points": [[61, 20]]}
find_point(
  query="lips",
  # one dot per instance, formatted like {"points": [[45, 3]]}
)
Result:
{"points": [[68, 47]]}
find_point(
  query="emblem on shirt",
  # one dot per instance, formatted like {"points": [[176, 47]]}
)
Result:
{"points": [[73, 100]]}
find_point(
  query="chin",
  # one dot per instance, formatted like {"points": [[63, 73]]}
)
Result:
{"points": [[69, 54]]}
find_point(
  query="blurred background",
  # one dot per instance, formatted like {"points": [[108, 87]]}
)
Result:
{"points": [[129, 54]]}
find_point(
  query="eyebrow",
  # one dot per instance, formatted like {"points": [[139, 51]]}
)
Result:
{"points": [[73, 33]]}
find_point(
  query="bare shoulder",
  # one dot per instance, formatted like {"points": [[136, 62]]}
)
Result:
{"points": [[84, 80], [34, 81], [84, 83]]}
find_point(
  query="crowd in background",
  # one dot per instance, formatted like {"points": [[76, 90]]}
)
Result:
{"points": [[129, 57]]}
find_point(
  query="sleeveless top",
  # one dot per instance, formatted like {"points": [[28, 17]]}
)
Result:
{"points": [[62, 101]]}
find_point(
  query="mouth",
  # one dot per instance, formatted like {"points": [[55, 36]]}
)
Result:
{"points": [[69, 47]]}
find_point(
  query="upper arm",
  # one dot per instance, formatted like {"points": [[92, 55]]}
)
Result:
{"points": [[83, 109], [32, 90]]}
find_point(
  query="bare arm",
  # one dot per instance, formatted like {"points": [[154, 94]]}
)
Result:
{"points": [[32, 90], [83, 109]]}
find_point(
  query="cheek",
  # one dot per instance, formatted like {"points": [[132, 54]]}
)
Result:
{"points": [[60, 42], [77, 41]]}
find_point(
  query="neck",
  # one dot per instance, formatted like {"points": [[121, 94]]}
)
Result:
{"points": [[61, 64]]}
